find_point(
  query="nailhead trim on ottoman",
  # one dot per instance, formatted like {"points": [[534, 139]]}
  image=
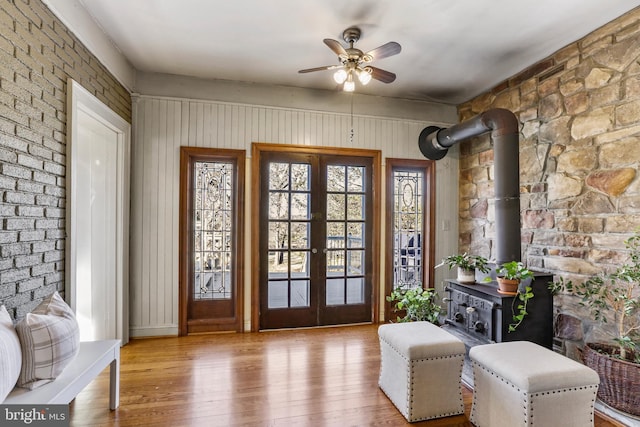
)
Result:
{"points": [[520, 383], [420, 370]]}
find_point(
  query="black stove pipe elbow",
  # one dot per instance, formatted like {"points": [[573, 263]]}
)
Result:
{"points": [[434, 143]]}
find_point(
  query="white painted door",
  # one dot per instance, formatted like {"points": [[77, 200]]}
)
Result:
{"points": [[97, 221]]}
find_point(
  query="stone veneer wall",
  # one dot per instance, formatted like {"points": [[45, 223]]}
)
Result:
{"points": [[37, 55], [579, 112]]}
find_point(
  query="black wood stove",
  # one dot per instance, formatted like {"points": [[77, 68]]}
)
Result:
{"points": [[479, 314]]}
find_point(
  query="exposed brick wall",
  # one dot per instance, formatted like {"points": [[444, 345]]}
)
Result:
{"points": [[37, 55], [579, 113]]}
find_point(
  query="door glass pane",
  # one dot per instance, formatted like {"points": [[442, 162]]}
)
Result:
{"points": [[300, 206], [355, 233], [278, 264], [355, 206], [354, 262], [289, 241], [300, 177], [336, 176], [355, 179], [300, 293], [300, 235], [278, 176], [278, 294], [345, 231], [335, 291], [212, 244], [335, 235], [335, 206], [278, 205], [355, 290], [408, 202], [278, 235]]}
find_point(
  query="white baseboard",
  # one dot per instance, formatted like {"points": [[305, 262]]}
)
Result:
{"points": [[153, 331]]}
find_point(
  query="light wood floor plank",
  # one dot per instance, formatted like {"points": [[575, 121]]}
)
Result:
{"points": [[304, 377]]}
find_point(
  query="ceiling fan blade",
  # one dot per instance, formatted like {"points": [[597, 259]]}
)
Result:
{"points": [[326, 67], [383, 75], [335, 46], [387, 49]]}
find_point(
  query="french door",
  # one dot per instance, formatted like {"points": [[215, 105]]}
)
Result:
{"points": [[316, 229]]}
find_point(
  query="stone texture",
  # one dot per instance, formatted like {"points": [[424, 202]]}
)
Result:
{"points": [[569, 327], [620, 55], [562, 186], [538, 219], [577, 161], [620, 153], [550, 107], [611, 182], [592, 123], [532, 162], [590, 225], [598, 77], [628, 113], [479, 209], [579, 150], [593, 203], [577, 103]]}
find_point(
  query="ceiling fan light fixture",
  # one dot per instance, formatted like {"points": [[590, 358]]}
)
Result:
{"points": [[364, 75], [340, 76], [349, 85], [353, 63]]}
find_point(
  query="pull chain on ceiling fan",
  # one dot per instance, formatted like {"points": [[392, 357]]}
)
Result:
{"points": [[355, 64]]}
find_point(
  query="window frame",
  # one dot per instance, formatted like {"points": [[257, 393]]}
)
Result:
{"points": [[427, 167]]}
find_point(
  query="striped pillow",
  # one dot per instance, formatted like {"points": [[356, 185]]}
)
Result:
{"points": [[49, 337], [10, 355]]}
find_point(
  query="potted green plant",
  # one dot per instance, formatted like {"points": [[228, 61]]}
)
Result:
{"points": [[467, 265], [509, 275], [418, 304], [614, 297]]}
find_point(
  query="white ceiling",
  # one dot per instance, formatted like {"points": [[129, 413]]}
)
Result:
{"points": [[451, 50]]}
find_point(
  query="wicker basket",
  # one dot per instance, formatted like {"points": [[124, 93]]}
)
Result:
{"points": [[619, 379]]}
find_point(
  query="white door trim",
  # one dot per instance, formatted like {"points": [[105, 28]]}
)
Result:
{"points": [[80, 100]]}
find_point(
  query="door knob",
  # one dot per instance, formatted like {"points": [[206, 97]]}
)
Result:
{"points": [[314, 251]]}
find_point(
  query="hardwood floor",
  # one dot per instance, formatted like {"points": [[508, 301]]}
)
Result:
{"points": [[304, 377]]}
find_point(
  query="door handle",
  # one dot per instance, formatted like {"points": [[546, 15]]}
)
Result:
{"points": [[314, 251]]}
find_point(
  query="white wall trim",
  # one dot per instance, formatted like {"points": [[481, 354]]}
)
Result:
{"points": [[136, 96], [79, 99], [153, 331], [76, 18], [291, 98]]}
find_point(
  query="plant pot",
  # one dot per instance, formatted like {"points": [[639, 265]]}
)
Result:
{"points": [[619, 379], [466, 275], [507, 286]]}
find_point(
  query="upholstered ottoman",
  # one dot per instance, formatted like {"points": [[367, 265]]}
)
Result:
{"points": [[420, 369], [520, 383]]}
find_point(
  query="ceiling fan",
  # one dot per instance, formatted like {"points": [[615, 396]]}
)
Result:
{"points": [[354, 63]]}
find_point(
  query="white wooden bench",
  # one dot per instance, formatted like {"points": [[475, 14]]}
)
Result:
{"points": [[92, 359]]}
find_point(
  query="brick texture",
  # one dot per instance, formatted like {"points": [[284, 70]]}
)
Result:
{"points": [[37, 55]]}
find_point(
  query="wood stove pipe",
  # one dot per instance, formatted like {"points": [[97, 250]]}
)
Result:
{"points": [[434, 143]]}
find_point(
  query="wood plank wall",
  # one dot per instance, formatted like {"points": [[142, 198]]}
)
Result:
{"points": [[162, 125]]}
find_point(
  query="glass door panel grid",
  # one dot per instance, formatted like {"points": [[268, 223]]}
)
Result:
{"points": [[289, 235], [345, 283]]}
